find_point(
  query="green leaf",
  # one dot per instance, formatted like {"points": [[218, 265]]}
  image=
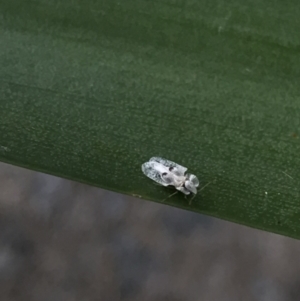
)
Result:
{"points": [[89, 90]]}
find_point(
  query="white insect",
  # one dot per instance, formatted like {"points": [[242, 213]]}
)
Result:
{"points": [[167, 173]]}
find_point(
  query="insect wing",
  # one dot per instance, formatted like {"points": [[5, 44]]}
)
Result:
{"points": [[154, 171], [177, 169]]}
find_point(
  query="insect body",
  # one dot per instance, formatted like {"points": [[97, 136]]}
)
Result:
{"points": [[167, 173]]}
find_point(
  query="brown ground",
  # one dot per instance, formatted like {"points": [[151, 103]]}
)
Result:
{"points": [[64, 241]]}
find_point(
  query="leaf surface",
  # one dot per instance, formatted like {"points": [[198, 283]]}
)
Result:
{"points": [[90, 90]]}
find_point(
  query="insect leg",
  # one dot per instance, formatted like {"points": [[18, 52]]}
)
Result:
{"points": [[190, 202], [205, 186], [170, 196]]}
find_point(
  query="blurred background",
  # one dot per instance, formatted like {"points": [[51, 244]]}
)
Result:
{"points": [[61, 240]]}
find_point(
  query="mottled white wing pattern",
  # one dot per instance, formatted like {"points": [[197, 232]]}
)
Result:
{"points": [[154, 171], [177, 169]]}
